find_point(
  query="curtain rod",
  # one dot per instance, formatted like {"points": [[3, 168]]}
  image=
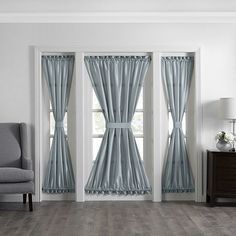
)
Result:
{"points": [[117, 54], [177, 54], [58, 54]]}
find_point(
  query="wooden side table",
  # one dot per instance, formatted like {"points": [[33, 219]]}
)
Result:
{"points": [[221, 176]]}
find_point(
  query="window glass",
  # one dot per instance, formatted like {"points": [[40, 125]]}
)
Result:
{"points": [[137, 123], [98, 123], [139, 142], [96, 145], [140, 101], [96, 104]]}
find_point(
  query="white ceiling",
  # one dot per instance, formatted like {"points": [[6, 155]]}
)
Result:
{"points": [[65, 6]]}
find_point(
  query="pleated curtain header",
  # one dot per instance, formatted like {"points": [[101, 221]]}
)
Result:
{"points": [[118, 58], [58, 56], [177, 58]]}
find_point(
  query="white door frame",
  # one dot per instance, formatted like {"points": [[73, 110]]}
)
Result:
{"points": [[81, 114]]}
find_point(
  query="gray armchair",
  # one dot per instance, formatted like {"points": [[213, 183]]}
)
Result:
{"points": [[16, 175]]}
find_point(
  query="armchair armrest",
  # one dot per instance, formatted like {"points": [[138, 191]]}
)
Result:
{"points": [[26, 163]]}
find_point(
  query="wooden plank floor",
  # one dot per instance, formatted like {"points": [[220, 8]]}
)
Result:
{"points": [[116, 218]]}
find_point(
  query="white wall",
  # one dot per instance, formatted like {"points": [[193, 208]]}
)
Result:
{"points": [[218, 42], [115, 5]]}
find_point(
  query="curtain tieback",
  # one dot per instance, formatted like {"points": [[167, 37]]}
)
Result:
{"points": [[177, 125], [111, 125], [59, 124]]}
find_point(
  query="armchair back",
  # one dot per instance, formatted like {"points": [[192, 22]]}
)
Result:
{"points": [[12, 144]]}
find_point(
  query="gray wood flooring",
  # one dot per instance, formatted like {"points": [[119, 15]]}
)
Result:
{"points": [[116, 218]]}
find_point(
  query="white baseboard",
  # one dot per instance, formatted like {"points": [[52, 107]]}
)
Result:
{"points": [[178, 196], [58, 197], [116, 198]]}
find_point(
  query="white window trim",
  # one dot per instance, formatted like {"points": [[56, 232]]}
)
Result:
{"points": [[81, 98]]}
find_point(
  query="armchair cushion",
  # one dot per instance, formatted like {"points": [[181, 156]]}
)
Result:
{"points": [[24, 187], [15, 175]]}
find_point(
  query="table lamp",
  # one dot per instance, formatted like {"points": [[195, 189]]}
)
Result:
{"points": [[228, 112]]}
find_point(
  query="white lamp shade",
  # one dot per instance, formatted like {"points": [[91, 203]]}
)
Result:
{"points": [[228, 108]]}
